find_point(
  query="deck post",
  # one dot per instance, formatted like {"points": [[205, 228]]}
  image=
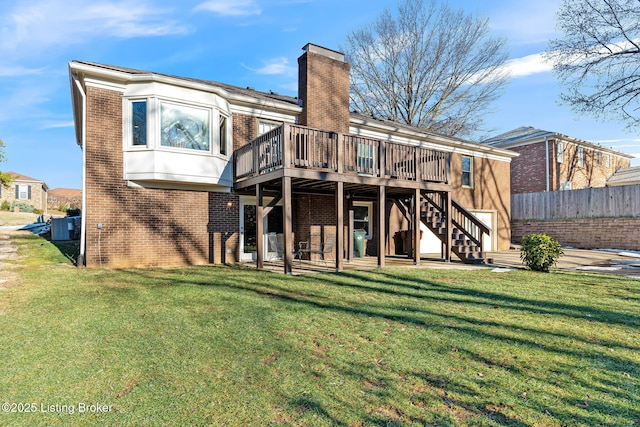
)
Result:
{"points": [[448, 209], [259, 227], [382, 232], [339, 247], [411, 228], [416, 227], [350, 232], [287, 226]]}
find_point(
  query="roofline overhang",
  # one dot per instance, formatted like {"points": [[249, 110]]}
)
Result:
{"points": [[558, 136], [81, 71], [434, 138]]}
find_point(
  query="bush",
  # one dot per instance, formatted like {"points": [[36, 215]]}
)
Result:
{"points": [[24, 207], [540, 251], [38, 211], [5, 205], [73, 212]]}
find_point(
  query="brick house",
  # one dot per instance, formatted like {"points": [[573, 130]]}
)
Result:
{"points": [[550, 161], [184, 171], [26, 190], [64, 198]]}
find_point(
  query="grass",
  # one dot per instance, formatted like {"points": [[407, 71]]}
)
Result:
{"points": [[8, 218], [232, 346]]}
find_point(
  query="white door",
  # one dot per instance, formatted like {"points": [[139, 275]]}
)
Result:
{"points": [[488, 218]]}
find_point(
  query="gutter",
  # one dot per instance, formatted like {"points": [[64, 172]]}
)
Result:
{"points": [[546, 151], [81, 261]]}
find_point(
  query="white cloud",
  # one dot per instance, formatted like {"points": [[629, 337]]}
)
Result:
{"points": [[527, 65], [277, 66], [14, 71], [58, 125], [231, 7], [42, 24], [524, 22]]}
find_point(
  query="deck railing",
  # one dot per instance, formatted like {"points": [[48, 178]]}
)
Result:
{"points": [[293, 146]]}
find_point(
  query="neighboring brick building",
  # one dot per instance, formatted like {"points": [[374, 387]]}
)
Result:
{"points": [[64, 198], [175, 168], [550, 161], [26, 190]]}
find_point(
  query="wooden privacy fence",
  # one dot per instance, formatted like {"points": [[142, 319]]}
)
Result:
{"points": [[605, 202]]}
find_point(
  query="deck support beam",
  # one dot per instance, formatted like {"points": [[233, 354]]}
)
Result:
{"points": [[259, 227], [339, 247], [287, 218], [382, 232], [416, 227]]}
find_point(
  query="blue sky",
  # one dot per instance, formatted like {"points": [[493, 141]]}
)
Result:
{"points": [[241, 42]]}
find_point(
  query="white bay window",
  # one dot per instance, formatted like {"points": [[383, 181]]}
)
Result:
{"points": [[176, 135]]}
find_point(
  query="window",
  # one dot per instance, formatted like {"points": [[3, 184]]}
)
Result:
{"points": [[607, 160], [362, 217], [139, 122], [264, 127], [222, 125], [599, 158], [560, 154], [564, 185], [467, 171], [580, 155], [184, 127], [23, 192], [365, 158]]}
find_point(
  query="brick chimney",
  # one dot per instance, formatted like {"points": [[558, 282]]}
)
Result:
{"points": [[323, 87]]}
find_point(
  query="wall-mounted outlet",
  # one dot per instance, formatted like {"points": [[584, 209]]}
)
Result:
{"points": [[99, 226]]}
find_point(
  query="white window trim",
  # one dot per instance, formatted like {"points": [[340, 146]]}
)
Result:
{"points": [[154, 121], [369, 206], [560, 153], [471, 180], [580, 156]]}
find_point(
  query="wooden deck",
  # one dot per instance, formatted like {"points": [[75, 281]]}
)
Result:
{"points": [[316, 159], [291, 159]]}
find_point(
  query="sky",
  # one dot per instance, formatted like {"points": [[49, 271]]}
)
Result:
{"points": [[240, 42]]}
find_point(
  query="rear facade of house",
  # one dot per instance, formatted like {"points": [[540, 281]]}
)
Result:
{"points": [[179, 171]]}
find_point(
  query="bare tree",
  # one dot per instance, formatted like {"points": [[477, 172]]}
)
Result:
{"points": [[429, 66], [598, 58]]}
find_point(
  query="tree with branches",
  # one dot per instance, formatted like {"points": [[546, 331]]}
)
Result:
{"points": [[428, 66], [5, 178], [598, 58]]}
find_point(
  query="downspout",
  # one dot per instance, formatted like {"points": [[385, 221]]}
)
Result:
{"points": [[83, 219], [546, 146]]}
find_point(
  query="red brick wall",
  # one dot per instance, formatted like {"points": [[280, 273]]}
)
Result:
{"points": [[146, 227], [593, 233], [528, 171], [323, 86]]}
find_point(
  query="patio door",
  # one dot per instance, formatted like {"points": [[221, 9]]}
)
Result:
{"points": [[248, 230]]}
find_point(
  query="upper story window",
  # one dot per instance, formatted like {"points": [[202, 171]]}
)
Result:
{"points": [[560, 153], [222, 131], [467, 171], [598, 158], [607, 160], [139, 122], [264, 126], [184, 127], [580, 155]]}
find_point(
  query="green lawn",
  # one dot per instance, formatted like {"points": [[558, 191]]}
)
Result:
{"points": [[233, 346]]}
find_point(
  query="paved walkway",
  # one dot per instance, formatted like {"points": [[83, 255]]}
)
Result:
{"points": [[608, 262]]}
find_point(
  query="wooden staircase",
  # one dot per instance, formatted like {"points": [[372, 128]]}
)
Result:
{"points": [[466, 230]]}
